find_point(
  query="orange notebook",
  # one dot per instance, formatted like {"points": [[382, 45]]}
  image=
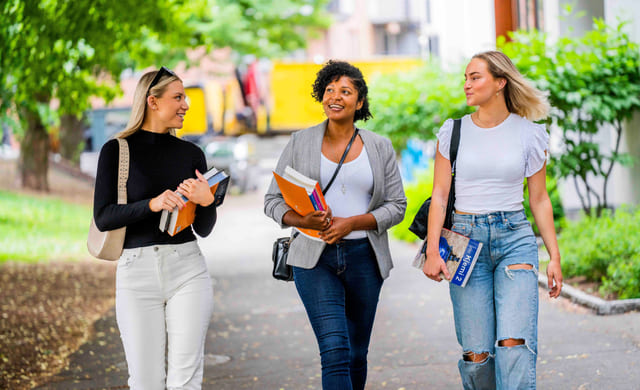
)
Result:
{"points": [[177, 220], [302, 194]]}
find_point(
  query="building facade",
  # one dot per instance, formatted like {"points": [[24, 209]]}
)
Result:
{"points": [[451, 31]]}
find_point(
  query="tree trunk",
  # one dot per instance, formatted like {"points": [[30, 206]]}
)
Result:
{"points": [[71, 137], [34, 153], [618, 126]]}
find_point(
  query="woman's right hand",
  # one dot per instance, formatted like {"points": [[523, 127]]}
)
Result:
{"points": [[317, 220], [434, 266], [168, 200]]}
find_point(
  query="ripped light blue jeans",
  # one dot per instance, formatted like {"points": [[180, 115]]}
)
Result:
{"points": [[498, 302]]}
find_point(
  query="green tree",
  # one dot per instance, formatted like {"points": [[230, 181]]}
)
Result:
{"points": [[593, 83], [68, 51], [414, 104], [60, 50]]}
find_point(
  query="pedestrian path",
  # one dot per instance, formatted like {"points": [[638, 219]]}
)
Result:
{"points": [[259, 337], [413, 343]]}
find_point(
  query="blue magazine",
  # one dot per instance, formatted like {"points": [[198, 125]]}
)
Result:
{"points": [[460, 254]]}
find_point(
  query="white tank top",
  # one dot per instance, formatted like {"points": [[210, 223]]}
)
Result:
{"points": [[351, 191]]}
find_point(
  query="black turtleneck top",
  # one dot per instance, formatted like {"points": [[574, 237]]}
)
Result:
{"points": [[158, 162]]}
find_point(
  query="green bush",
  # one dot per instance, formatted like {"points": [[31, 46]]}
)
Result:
{"points": [[416, 193], [593, 83], [415, 103], [605, 249]]}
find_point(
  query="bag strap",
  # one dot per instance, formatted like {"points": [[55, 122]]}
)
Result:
{"points": [[453, 155], [344, 155], [123, 170], [453, 146]]}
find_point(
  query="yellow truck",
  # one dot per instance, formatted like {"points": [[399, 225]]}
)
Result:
{"points": [[287, 106]]}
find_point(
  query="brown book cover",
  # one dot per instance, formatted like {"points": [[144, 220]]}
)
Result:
{"points": [[177, 220]]}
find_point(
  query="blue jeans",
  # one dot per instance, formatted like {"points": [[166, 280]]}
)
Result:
{"points": [[340, 295], [498, 303]]}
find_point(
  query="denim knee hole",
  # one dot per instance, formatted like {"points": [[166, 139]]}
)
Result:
{"points": [[519, 343], [519, 267], [479, 358], [510, 342]]}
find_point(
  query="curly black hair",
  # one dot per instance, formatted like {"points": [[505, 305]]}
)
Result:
{"points": [[332, 71]]}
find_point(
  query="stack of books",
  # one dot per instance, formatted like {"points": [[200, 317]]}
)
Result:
{"points": [[459, 252], [175, 221], [302, 194]]}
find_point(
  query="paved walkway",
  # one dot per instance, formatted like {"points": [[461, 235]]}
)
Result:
{"points": [[260, 339]]}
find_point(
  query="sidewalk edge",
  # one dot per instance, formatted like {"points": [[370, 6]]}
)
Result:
{"points": [[598, 305]]}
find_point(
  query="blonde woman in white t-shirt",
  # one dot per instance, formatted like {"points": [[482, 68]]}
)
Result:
{"points": [[496, 314]]}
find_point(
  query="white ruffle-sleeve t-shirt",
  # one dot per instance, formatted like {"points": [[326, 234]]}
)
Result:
{"points": [[492, 163]]}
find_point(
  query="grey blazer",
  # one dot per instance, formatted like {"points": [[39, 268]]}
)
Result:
{"points": [[388, 202]]}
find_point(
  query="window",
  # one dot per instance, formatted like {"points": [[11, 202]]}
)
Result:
{"points": [[341, 7], [529, 14], [434, 46], [428, 11]]}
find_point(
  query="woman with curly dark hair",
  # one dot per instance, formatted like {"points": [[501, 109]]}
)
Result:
{"points": [[339, 277]]}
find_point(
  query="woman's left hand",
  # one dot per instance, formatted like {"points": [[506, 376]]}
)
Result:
{"points": [[554, 276], [339, 228], [197, 190]]}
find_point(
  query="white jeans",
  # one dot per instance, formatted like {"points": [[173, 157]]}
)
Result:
{"points": [[164, 293]]}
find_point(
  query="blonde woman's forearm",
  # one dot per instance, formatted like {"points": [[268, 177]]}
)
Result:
{"points": [[542, 211]]}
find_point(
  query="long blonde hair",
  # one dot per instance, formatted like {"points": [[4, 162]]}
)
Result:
{"points": [[520, 95], [139, 106]]}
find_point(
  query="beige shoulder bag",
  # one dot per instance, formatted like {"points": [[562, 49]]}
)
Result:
{"points": [[108, 245]]}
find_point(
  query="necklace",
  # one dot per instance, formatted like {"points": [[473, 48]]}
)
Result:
{"points": [[346, 174], [343, 186]]}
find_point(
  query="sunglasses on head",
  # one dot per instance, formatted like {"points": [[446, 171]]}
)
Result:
{"points": [[162, 72]]}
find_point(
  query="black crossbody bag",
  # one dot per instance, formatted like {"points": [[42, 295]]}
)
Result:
{"points": [[282, 270], [421, 220]]}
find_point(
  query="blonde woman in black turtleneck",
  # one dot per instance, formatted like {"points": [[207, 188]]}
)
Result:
{"points": [[163, 289]]}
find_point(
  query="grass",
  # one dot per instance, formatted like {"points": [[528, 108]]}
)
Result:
{"points": [[48, 303], [34, 229]]}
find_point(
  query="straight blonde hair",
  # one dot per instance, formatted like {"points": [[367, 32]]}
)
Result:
{"points": [[521, 96], [139, 106]]}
